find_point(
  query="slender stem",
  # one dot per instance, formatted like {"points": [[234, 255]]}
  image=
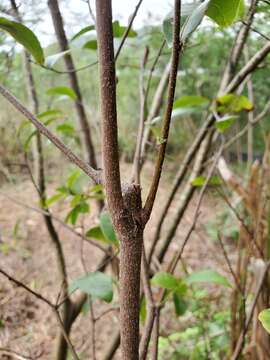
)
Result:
{"points": [[137, 155], [132, 18], [87, 169], [177, 46]]}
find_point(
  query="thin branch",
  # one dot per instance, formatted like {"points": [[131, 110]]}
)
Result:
{"points": [[87, 169], [179, 254], [156, 335], [128, 30], [177, 47], [46, 213], [137, 154], [15, 354], [49, 303], [250, 66], [230, 265]]}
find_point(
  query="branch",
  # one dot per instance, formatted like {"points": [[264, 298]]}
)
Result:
{"points": [[87, 169], [133, 16], [250, 66], [55, 218], [49, 303], [177, 46], [112, 180], [137, 155]]}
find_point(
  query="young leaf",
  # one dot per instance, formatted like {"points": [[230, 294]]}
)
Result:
{"points": [[90, 45], [167, 25], [96, 284], [25, 37], [96, 233], [107, 228], [180, 305], [225, 12], [194, 20], [225, 122], [62, 90], [264, 318], [50, 113], [83, 31], [169, 282], [53, 199], [190, 101], [118, 30], [200, 181], [143, 310], [51, 60], [66, 129], [231, 103], [209, 276]]}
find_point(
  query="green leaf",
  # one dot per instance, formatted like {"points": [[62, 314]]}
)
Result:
{"points": [[225, 122], [167, 27], [90, 45], [107, 228], [66, 129], [62, 90], [83, 31], [169, 282], [264, 317], [53, 199], [97, 284], [50, 113], [207, 276], [51, 60], [143, 310], [73, 178], [200, 181], [25, 37], [96, 233], [186, 10], [190, 101], [231, 103], [225, 12], [180, 305], [73, 215], [118, 30], [194, 20]]}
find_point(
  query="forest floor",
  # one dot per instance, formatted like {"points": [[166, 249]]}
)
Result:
{"points": [[27, 325]]}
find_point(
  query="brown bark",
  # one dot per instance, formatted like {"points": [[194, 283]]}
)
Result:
{"points": [[177, 47], [74, 83], [125, 208]]}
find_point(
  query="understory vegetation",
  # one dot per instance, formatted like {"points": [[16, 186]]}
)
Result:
{"points": [[134, 180]]}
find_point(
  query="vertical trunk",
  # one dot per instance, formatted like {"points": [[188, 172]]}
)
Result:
{"points": [[124, 204], [63, 44], [130, 263]]}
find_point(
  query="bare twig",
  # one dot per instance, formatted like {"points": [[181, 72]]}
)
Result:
{"points": [[15, 354], [87, 169], [49, 303], [230, 265], [137, 154], [133, 16], [177, 47], [46, 213]]}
